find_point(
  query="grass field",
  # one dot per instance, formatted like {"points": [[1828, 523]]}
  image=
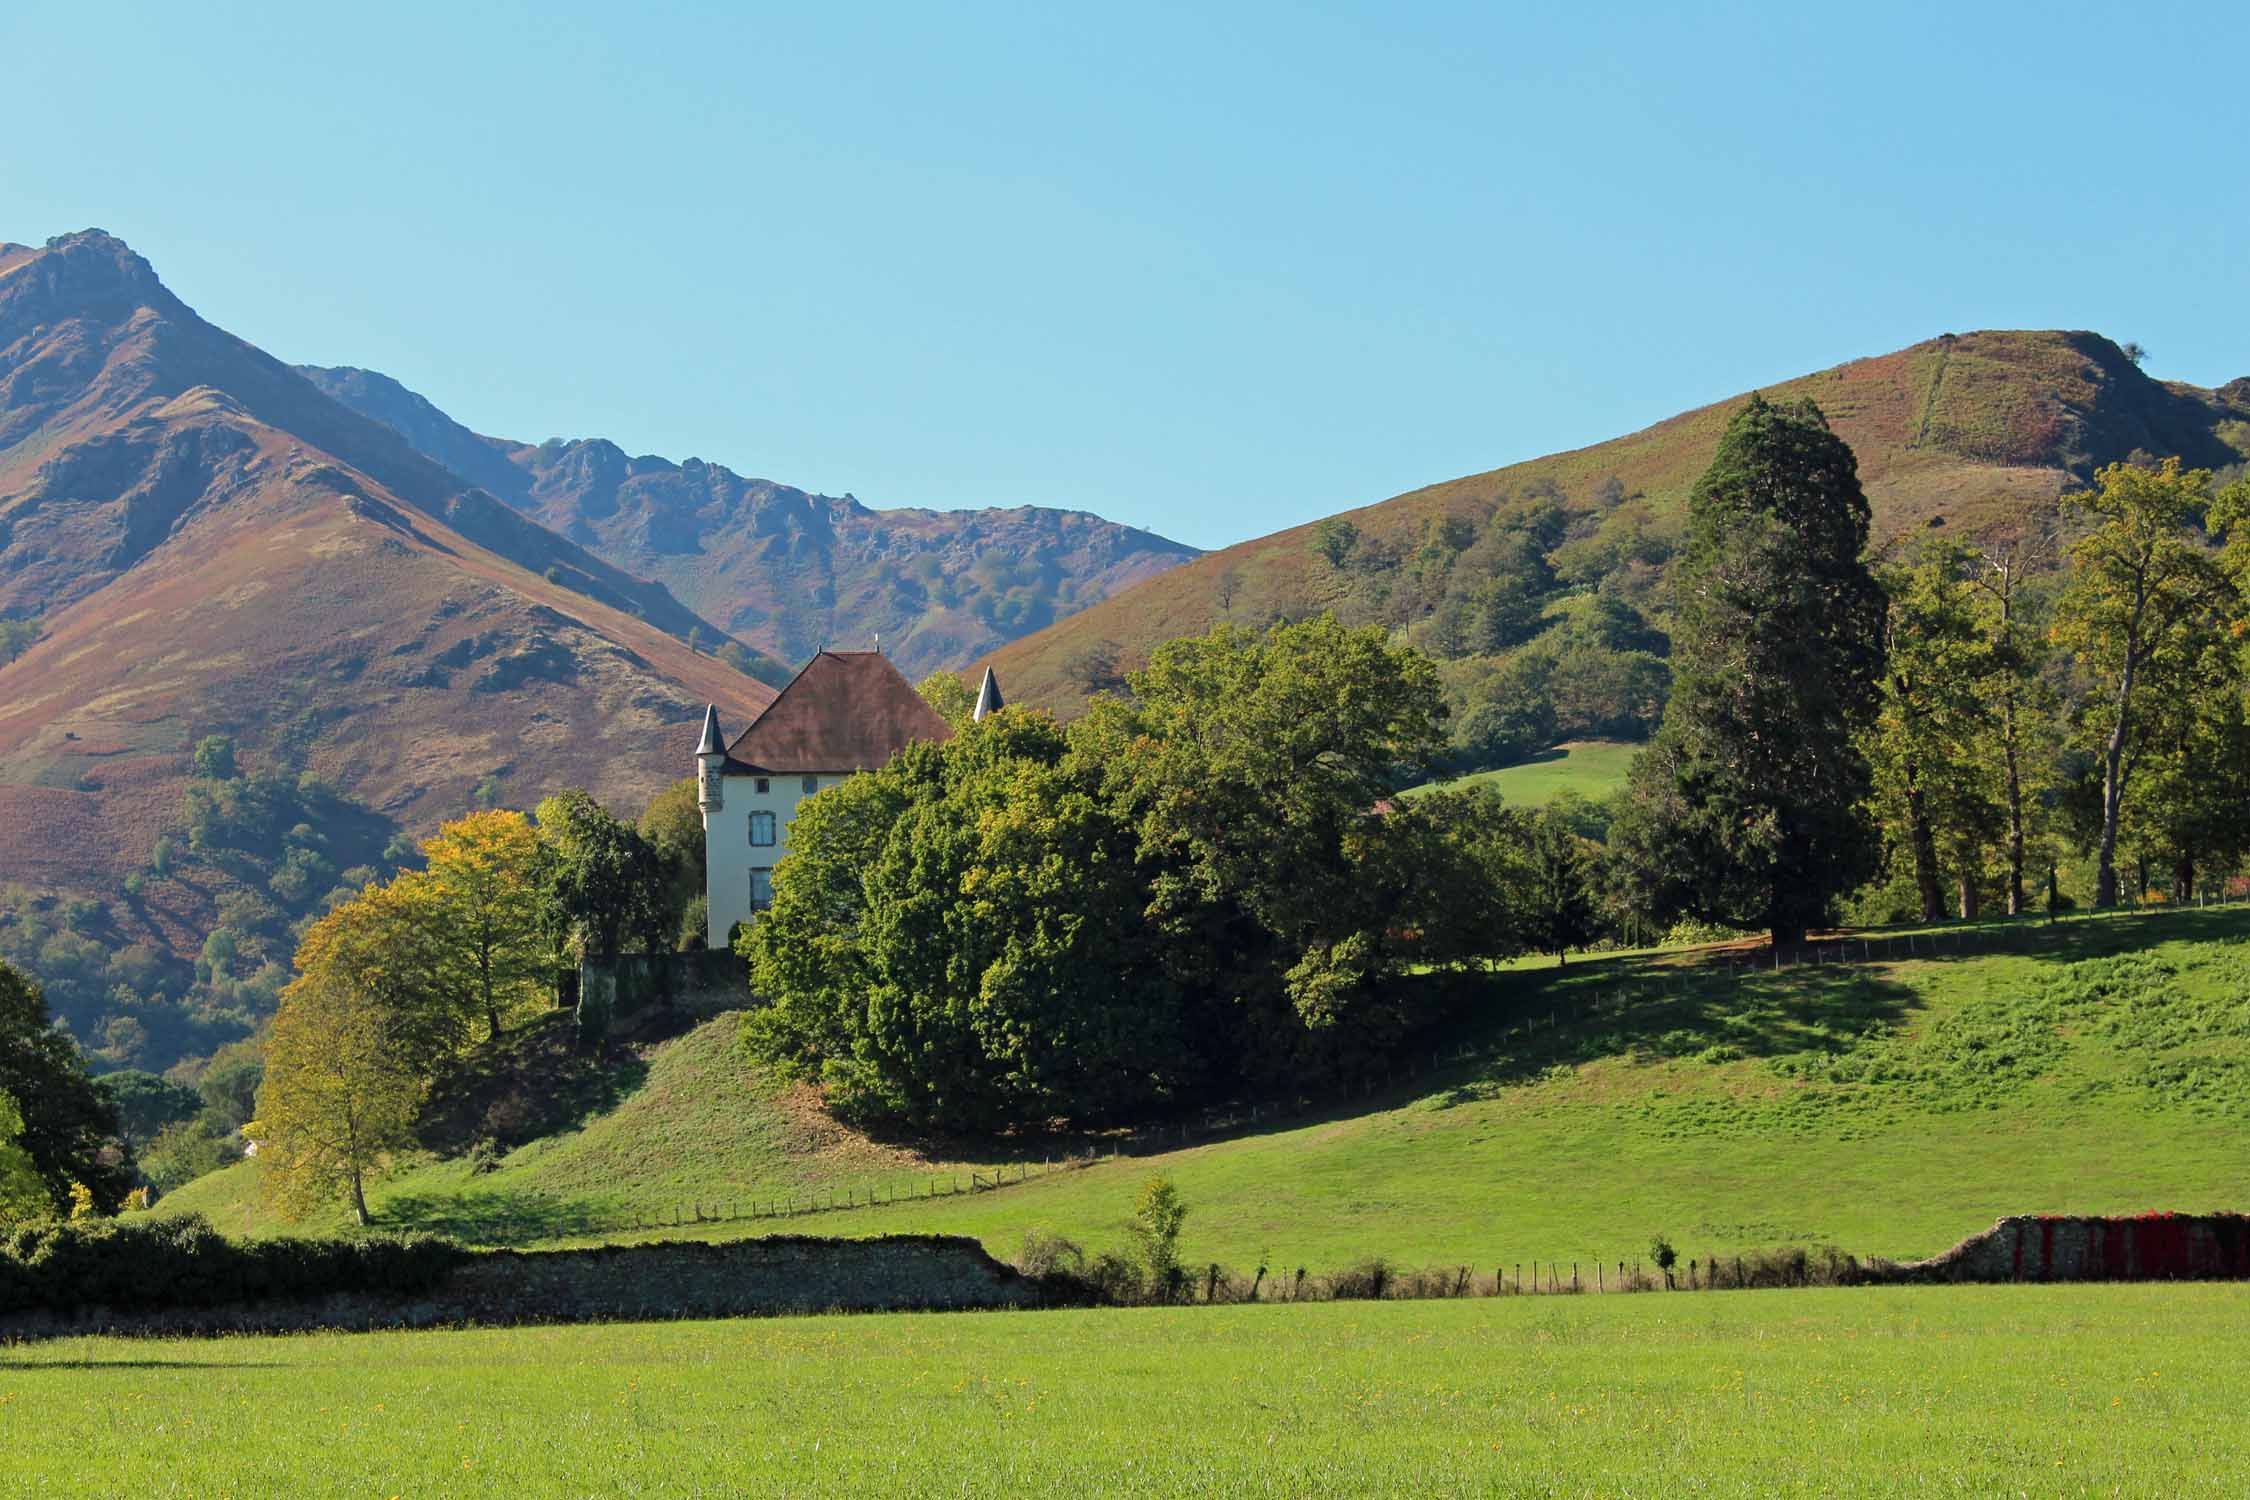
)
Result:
{"points": [[1888, 1108], [1591, 768], [2110, 1390]]}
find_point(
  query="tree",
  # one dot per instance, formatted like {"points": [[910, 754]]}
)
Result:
{"points": [[672, 823], [1935, 719], [23, 1197], [17, 637], [484, 870], [1557, 893], [1252, 765], [1095, 669], [2006, 558], [229, 1086], [2140, 613], [600, 879], [69, 1125], [950, 696], [1226, 586], [341, 1089], [146, 1103], [1746, 806], [958, 940], [1334, 539], [1157, 1219], [214, 758]]}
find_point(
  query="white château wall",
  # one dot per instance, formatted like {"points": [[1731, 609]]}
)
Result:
{"points": [[730, 859]]}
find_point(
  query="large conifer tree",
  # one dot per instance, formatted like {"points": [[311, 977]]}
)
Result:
{"points": [[1746, 808]]}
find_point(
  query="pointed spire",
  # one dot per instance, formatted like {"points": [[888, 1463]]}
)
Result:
{"points": [[712, 742], [989, 700]]}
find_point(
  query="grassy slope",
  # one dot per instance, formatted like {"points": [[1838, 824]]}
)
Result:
{"points": [[1889, 1108], [1955, 1390], [1591, 768], [1973, 428], [693, 1124]]}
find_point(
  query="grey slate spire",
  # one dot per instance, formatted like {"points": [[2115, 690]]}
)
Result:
{"points": [[989, 700], [711, 743]]}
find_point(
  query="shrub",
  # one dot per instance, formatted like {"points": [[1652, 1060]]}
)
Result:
{"points": [[1156, 1227], [184, 1262]]}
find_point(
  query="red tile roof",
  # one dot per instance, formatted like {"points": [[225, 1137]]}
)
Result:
{"points": [[846, 711]]}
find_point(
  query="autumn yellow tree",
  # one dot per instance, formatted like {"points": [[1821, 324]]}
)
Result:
{"points": [[351, 1049], [483, 881], [23, 1197]]}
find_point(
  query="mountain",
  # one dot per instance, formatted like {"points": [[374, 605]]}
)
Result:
{"points": [[211, 544], [1966, 431], [781, 568]]}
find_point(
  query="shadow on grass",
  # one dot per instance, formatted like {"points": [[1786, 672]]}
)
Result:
{"points": [[12, 1365], [526, 1084], [494, 1217]]}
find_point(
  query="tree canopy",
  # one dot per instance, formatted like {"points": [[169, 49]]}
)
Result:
{"points": [[69, 1125], [1746, 807]]}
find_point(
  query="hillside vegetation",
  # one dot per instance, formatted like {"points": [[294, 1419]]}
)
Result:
{"points": [[1962, 431], [1887, 1105]]}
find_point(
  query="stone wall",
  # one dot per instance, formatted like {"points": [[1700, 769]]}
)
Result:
{"points": [[613, 988], [621, 1283], [2151, 1247]]}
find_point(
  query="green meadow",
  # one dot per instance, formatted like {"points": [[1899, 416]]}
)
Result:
{"points": [[1591, 768], [1887, 1107], [2110, 1390]]}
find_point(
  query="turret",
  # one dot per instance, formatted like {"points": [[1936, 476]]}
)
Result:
{"points": [[710, 762], [989, 700]]}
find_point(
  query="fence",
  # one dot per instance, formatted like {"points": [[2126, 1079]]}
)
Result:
{"points": [[745, 1208]]}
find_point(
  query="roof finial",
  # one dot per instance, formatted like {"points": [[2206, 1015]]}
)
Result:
{"points": [[878, 643]]}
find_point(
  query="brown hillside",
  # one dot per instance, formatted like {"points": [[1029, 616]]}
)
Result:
{"points": [[781, 568], [1970, 429], [214, 546]]}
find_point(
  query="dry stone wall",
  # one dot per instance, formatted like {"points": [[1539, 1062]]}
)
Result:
{"points": [[623, 1283], [2150, 1247]]}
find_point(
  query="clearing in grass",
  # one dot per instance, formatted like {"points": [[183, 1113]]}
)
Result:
{"points": [[1591, 768]]}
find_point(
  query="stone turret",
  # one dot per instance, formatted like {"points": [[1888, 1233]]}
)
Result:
{"points": [[710, 761]]}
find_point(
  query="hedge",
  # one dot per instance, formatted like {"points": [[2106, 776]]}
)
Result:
{"points": [[145, 1263]]}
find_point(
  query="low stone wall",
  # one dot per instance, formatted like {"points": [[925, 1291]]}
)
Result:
{"points": [[619, 1283], [2150, 1247], [608, 989]]}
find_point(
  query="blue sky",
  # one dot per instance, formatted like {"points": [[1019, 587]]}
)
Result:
{"points": [[1207, 269]]}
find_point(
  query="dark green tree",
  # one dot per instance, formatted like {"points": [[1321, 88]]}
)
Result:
{"points": [[69, 1123], [602, 883], [146, 1103], [1746, 808]]}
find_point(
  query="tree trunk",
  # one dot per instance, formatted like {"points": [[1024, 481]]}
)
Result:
{"points": [[1787, 936], [359, 1199], [1924, 843], [1965, 882], [2113, 790], [2015, 803], [2183, 880]]}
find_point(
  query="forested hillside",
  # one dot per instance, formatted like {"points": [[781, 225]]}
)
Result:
{"points": [[1540, 587]]}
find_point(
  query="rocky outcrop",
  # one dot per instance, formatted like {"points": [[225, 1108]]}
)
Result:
{"points": [[2148, 1247]]}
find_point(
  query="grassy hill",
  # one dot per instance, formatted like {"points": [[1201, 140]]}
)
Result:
{"points": [[1591, 768], [1888, 1105], [1968, 429]]}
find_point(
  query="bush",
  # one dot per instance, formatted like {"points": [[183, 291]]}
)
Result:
{"points": [[174, 1263]]}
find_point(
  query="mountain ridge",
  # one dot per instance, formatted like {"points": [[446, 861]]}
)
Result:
{"points": [[784, 568]]}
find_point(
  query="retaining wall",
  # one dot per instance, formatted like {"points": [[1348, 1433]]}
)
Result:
{"points": [[2150, 1247], [619, 1283]]}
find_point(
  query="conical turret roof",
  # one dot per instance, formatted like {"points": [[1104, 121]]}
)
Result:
{"points": [[989, 700], [712, 743]]}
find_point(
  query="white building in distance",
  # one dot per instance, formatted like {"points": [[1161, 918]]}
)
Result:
{"points": [[846, 712]]}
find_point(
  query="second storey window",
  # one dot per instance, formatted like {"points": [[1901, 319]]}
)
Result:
{"points": [[812, 785], [761, 830]]}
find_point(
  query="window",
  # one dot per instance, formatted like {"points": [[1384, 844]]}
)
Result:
{"points": [[761, 830], [812, 785], [761, 888], [765, 785]]}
